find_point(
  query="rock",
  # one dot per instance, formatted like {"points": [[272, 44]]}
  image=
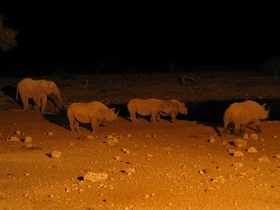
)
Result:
{"points": [[55, 154], [27, 139], [94, 177], [240, 143], [13, 138], [252, 150]]}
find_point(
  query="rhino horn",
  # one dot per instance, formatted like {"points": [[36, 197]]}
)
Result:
{"points": [[114, 110], [117, 112]]}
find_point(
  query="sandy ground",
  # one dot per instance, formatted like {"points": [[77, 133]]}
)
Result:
{"points": [[180, 165]]}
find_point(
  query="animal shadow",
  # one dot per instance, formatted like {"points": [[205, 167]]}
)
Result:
{"points": [[11, 91], [58, 119]]}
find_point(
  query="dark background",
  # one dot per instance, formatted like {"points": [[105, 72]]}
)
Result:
{"points": [[92, 40]]}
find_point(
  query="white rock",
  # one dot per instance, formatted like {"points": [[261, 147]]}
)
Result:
{"points": [[27, 139], [238, 154], [212, 140], [94, 177], [277, 156], [55, 154], [263, 159], [254, 136], [240, 143], [252, 150], [90, 137], [245, 136], [13, 138]]}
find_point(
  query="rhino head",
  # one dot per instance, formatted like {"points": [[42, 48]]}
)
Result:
{"points": [[110, 115]]}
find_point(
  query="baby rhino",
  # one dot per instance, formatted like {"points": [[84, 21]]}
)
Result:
{"points": [[94, 112], [243, 113], [146, 107]]}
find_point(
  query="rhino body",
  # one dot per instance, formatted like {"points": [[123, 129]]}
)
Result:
{"points": [[94, 112], [178, 107], [243, 113], [146, 107]]}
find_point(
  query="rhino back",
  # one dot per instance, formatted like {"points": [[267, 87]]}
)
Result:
{"points": [[245, 112], [143, 106]]}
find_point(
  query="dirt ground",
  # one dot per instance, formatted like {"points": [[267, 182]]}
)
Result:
{"points": [[181, 165]]}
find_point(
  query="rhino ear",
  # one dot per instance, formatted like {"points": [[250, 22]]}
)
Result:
{"points": [[102, 111], [266, 107]]}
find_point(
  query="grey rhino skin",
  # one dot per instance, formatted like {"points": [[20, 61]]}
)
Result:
{"points": [[94, 112], [179, 107], [243, 113], [146, 107]]}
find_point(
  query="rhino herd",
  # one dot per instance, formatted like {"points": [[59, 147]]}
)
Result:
{"points": [[238, 114]]}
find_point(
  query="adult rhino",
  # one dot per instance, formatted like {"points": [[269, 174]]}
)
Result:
{"points": [[243, 113], [146, 107], [178, 107], [94, 112]]}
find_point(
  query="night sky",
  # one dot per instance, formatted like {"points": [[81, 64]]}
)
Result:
{"points": [[119, 41]]}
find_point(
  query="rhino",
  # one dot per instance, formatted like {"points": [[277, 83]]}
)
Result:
{"points": [[178, 107], [146, 107], [94, 112], [244, 113]]}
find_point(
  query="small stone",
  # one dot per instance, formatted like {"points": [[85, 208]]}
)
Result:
{"points": [[50, 133], [90, 137], [212, 140], [237, 165], [27, 139], [118, 158], [277, 156], [55, 154], [13, 138], [129, 171], [254, 136], [238, 154], [126, 151], [252, 150], [240, 143], [263, 159]]}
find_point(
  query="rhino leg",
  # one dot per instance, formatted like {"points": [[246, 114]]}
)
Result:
{"points": [[239, 130], [75, 126], [158, 117], [173, 116], [133, 117], [258, 126], [153, 117], [71, 120], [94, 124]]}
